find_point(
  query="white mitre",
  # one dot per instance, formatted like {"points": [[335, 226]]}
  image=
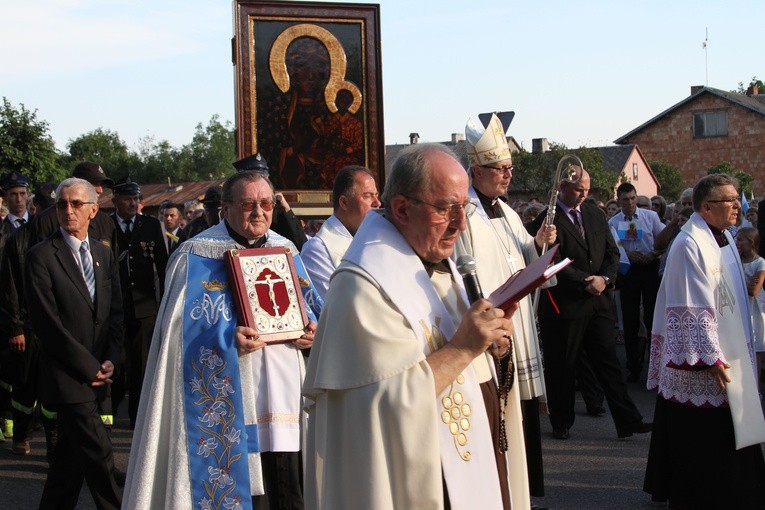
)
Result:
{"points": [[486, 146]]}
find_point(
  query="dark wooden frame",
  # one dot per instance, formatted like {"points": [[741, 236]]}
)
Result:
{"points": [[258, 24]]}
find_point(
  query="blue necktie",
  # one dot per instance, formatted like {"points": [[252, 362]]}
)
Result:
{"points": [[87, 270]]}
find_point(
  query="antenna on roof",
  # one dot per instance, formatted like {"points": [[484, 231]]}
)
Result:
{"points": [[706, 56]]}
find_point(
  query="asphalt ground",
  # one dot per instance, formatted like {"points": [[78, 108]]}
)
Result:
{"points": [[592, 470]]}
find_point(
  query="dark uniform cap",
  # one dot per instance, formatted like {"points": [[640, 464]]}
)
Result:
{"points": [[126, 186], [213, 197], [15, 180], [93, 173], [255, 162]]}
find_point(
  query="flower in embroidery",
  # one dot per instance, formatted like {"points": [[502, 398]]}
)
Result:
{"points": [[212, 415], [234, 503], [223, 385], [210, 358], [205, 504], [233, 435], [206, 446], [220, 475], [196, 385]]}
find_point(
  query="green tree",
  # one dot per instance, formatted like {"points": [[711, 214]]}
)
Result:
{"points": [[108, 150], [670, 179], [26, 146], [160, 161], [210, 153], [754, 81], [534, 172], [744, 179]]}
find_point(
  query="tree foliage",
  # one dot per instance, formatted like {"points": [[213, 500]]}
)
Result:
{"points": [[754, 81], [211, 152], [670, 179], [108, 150], [744, 179], [26, 146], [534, 172]]}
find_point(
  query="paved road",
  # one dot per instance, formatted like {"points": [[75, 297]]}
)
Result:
{"points": [[593, 470]]}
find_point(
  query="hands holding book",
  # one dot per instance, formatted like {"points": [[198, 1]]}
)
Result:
{"points": [[248, 340]]}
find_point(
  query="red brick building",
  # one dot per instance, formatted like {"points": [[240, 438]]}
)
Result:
{"points": [[707, 128]]}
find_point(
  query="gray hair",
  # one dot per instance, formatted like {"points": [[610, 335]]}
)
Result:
{"points": [[227, 195], [71, 182], [707, 184], [408, 174]]}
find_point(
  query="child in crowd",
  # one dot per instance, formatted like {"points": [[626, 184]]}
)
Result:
{"points": [[747, 241]]}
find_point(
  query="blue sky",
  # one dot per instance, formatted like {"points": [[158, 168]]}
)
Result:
{"points": [[577, 73]]}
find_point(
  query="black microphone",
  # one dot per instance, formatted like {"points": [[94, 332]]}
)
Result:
{"points": [[466, 269]]}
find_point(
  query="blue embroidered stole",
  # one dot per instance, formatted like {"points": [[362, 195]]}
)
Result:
{"points": [[217, 437]]}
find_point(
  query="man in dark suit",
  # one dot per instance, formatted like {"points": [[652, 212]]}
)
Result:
{"points": [[101, 227], [576, 316], [142, 258], [75, 303]]}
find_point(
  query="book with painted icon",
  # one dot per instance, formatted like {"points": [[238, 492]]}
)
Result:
{"points": [[267, 292]]}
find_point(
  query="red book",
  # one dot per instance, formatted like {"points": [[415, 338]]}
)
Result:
{"points": [[523, 282], [267, 292]]}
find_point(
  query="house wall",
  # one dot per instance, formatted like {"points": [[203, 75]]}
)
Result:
{"points": [[670, 139], [644, 183]]}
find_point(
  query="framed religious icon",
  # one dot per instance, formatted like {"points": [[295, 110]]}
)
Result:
{"points": [[267, 292], [309, 90]]}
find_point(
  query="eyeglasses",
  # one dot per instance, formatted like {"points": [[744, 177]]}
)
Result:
{"points": [[451, 211], [501, 169], [267, 204], [76, 204], [730, 201], [655, 205]]}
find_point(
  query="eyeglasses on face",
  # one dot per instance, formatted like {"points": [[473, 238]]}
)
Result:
{"points": [[508, 169], [267, 204], [76, 204], [730, 201], [451, 211]]}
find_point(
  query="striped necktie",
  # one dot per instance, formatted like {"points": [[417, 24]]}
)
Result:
{"points": [[87, 270], [575, 218]]}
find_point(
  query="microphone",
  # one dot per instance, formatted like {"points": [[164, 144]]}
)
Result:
{"points": [[467, 269]]}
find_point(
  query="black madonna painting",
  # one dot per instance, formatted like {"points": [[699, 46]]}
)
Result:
{"points": [[309, 89]]}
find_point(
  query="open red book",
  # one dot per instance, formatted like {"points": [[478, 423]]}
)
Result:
{"points": [[267, 292], [527, 279]]}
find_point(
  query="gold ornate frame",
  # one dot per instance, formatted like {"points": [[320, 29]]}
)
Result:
{"points": [[273, 118]]}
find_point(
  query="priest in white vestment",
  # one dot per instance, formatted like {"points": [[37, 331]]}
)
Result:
{"points": [[221, 421], [708, 424], [354, 193], [407, 407]]}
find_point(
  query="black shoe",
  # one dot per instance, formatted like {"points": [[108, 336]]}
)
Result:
{"points": [[596, 410], [561, 433], [640, 427]]}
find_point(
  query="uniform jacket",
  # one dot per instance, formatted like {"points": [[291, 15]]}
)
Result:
{"points": [[139, 255], [75, 334]]}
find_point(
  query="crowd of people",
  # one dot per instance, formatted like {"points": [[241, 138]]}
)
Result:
{"points": [[404, 389]]}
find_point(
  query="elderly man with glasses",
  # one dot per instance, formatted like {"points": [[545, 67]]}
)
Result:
{"points": [[218, 429], [406, 411], [705, 449]]}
